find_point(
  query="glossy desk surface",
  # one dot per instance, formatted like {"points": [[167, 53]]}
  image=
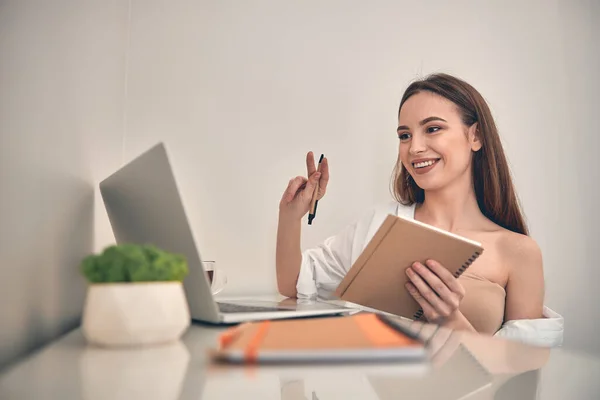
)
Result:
{"points": [[70, 369]]}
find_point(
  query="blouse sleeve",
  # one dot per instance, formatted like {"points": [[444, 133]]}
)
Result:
{"points": [[323, 267], [547, 331]]}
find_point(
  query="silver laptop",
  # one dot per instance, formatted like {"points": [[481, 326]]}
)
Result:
{"points": [[144, 207]]}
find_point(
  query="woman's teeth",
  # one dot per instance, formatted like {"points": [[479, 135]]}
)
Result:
{"points": [[424, 164]]}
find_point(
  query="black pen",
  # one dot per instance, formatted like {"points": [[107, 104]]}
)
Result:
{"points": [[313, 204]]}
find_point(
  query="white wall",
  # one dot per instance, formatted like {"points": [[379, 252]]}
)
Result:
{"points": [[241, 90], [61, 124], [577, 270]]}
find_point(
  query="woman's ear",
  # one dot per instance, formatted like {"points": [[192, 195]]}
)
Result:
{"points": [[475, 137]]}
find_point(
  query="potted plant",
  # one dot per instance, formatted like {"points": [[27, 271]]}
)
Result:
{"points": [[135, 296]]}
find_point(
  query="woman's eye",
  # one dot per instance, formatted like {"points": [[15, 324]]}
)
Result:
{"points": [[403, 136], [433, 129]]}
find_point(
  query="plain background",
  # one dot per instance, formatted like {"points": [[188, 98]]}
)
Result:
{"points": [[239, 91]]}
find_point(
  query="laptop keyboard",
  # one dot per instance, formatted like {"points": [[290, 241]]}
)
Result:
{"points": [[238, 308]]}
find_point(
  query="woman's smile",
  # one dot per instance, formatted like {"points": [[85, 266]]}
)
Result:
{"points": [[422, 166]]}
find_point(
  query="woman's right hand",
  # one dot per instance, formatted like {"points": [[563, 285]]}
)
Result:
{"points": [[296, 199]]}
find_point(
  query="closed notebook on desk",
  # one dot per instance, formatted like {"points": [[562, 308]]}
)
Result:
{"points": [[378, 276], [361, 337]]}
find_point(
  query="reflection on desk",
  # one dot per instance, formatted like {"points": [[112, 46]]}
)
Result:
{"points": [[69, 369], [451, 372], [145, 373]]}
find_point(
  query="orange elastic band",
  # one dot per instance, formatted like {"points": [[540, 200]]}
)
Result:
{"points": [[251, 353], [227, 337]]}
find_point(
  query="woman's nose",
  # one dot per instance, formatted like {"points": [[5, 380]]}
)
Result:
{"points": [[417, 145]]}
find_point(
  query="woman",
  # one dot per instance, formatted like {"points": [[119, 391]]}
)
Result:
{"points": [[451, 173]]}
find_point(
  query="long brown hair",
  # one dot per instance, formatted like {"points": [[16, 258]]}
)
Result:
{"points": [[492, 181]]}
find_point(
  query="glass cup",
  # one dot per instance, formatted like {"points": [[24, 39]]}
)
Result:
{"points": [[216, 276]]}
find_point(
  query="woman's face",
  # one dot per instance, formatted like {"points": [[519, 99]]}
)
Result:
{"points": [[435, 146]]}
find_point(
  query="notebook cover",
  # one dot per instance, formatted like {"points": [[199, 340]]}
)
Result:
{"points": [[358, 337], [377, 277]]}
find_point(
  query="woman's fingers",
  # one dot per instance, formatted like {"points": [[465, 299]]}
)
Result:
{"points": [[303, 186], [435, 283], [324, 177], [311, 185], [428, 310], [293, 186], [310, 163], [311, 169], [307, 186], [446, 277], [427, 292]]}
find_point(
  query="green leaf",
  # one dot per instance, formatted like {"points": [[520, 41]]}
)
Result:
{"points": [[134, 263]]}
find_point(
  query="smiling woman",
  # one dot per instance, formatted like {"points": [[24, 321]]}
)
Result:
{"points": [[451, 173], [461, 110]]}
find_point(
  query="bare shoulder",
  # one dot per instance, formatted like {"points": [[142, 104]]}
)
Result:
{"points": [[525, 285], [519, 250]]}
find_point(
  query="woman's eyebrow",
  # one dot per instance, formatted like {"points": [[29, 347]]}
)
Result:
{"points": [[423, 122]]}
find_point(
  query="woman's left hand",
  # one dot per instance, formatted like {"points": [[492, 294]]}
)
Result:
{"points": [[436, 290]]}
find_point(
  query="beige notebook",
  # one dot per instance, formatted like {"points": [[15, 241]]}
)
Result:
{"points": [[377, 278], [360, 337]]}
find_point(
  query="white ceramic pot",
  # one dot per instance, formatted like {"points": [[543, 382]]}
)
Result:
{"points": [[140, 313]]}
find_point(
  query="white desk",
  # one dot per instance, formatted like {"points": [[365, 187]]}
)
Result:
{"points": [[69, 369]]}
